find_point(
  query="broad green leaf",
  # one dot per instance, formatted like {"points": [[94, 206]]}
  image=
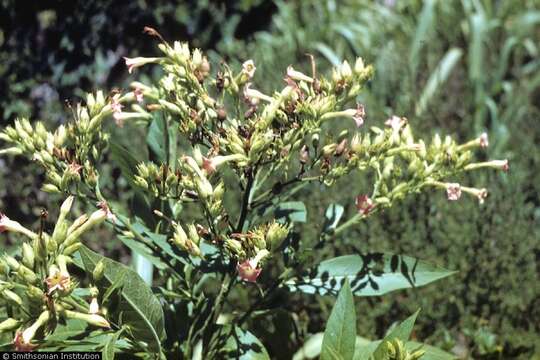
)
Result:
{"points": [[140, 309], [438, 78], [294, 211], [332, 216], [243, 345], [144, 267], [369, 275], [340, 334], [68, 330]]}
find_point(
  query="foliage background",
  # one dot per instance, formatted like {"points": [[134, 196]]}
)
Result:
{"points": [[453, 67]]}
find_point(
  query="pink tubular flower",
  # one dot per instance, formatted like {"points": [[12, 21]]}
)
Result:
{"points": [[21, 345], [396, 123], [208, 165], [105, 207], [247, 271], [139, 96], [453, 191], [364, 205], [483, 140], [3, 222], [358, 117]]}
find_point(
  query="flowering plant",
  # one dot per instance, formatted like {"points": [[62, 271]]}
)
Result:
{"points": [[212, 214]]}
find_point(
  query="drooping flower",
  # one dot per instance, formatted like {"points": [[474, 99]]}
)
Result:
{"points": [[364, 205], [358, 117], [248, 68], [396, 123], [304, 154], [94, 306], [139, 96], [483, 140], [105, 207], [21, 345], [453, 191], [3, 222], [247, 270], [117, 110]]}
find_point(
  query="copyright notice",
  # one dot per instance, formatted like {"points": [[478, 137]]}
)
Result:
{"points": [[12, 355]]}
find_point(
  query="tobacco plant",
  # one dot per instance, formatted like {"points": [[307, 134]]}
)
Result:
{"points": [[214, 214]]}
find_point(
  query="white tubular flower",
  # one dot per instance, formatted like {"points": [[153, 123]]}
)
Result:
{"points": [[297, 75], [248, 69], [255, 95], [136, 62]]}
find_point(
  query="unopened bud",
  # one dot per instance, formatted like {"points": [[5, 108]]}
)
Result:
{"points": [[9, 324], [97, 274]]}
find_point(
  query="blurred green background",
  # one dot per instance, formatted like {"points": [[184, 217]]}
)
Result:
{"points": [[453, 67]]}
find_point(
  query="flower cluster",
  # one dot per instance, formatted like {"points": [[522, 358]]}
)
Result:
{"points": [[37, 285], [226, 122]]}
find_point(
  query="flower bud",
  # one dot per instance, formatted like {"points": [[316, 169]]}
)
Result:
{"points": [[97, 274], [92, 319], [276, 234], [12, 297], [9, 324]]}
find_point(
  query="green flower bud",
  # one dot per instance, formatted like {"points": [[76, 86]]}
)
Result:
{"points": [[50, 188], [72, 248], [12, 263], [27, 275], [12, 297], [276, 234], [92, 319], [34, 293], [9, 324], [97, 274]]}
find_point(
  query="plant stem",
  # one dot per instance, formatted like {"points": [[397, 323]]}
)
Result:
{"points": [[245, 202]]}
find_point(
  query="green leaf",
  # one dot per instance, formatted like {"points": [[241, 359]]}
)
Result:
{"points": [[369, 275], [243, 345], [154, 139], [108, 350], [340, 334], [140, 309], [438, 78], [65, 331], [126, 161], [332, 216], [294, 211]]}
